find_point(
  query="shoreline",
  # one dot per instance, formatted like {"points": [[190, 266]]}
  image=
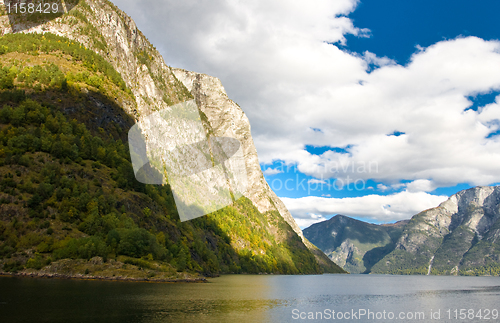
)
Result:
{"points": [[101, 278]]}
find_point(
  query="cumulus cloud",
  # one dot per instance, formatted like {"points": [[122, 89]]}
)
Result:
{"points": [[399, 206], [317, 181], [421, 185], [271, 171], [441, 142], [307, 222], [382, 187], [371, 58], [278, 62], [282, 62]]}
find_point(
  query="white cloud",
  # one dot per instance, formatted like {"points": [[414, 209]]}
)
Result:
{"points": [[275, 60], [421, 185], [371, 58], [426, 100], [317, 181], [398, 206], [272, 171], [313, 218], [382, 187]]}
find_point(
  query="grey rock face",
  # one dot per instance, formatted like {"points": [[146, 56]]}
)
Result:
{"points": [[458, 235], [226, 119], [156, 86]]}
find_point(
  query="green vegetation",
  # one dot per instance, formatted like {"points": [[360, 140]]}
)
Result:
{"points": [[410, 262], [182, 94], [400, 262], [47, 11], [261, 254], [452, 250], [35, 44], [353, 244], [67, 188], [460, 252], [492, 269], [370, 248]]}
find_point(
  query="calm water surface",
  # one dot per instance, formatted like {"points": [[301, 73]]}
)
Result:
{"points": [[253, 298]]}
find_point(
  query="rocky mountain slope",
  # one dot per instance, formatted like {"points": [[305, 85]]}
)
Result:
{"points": [[460, 236], [111, 33], [256, 234], [352, 244], [226, 119]]}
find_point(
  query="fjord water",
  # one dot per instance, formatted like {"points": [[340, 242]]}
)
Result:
{"points": [[250, 298]]}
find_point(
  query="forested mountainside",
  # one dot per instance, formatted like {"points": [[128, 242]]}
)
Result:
{"points": [[459, 237], [352, 244], [69, 93]]}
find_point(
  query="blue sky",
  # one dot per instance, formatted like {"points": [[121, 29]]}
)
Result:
{"points": [[397, 98], [397, 29], [398, 26]]}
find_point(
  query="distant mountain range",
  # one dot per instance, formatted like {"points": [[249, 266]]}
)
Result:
{"points": [[352, 244], [459, 237]]}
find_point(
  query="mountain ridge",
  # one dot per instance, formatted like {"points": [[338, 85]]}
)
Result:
{"points": [[458, 237], [152, 85], [353, 244]]}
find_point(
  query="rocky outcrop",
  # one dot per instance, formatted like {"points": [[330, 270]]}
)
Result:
{"points": [[460, 236], [114, 35], [153, 82], [111, 33], [226, 119]]}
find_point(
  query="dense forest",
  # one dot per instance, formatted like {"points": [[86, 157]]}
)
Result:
{"points": [[67, 188]]}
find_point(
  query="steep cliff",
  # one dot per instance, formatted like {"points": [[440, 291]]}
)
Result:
{"points": [[154, 84], [224, 118], [460, 236], [150, 85]]}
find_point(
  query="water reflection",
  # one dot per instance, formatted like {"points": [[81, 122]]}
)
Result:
{"points": [[240, 298]]}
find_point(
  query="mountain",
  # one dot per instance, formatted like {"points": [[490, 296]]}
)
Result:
{"points": [[460, 236], [71, 86], [354, 245], [225, 118]]}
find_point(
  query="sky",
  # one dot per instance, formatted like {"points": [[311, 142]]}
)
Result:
{"points": [[372, 109]]}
